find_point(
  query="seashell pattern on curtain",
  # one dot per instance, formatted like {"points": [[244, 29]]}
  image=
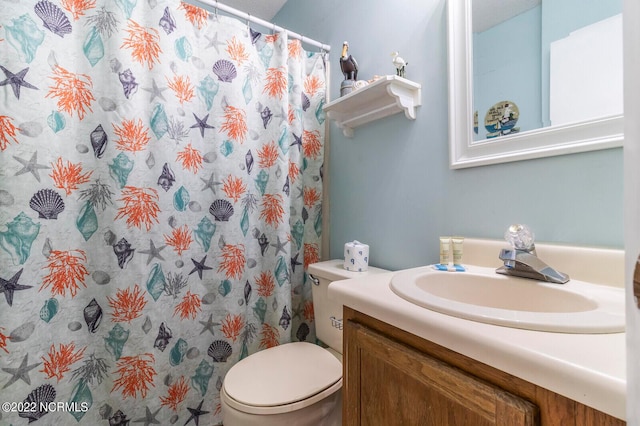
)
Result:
{"points": [[160, 190]]}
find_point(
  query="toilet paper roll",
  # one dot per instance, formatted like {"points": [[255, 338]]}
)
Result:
{"points": [[356, 256]]}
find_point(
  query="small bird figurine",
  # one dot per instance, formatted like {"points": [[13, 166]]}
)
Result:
{"points": [[348, 64], [399, 63]]}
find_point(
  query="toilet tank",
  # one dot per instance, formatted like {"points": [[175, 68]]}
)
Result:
{"points": [[328, 313]]}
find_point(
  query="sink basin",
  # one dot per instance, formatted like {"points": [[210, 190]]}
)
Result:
{"points": [[480, 294]]}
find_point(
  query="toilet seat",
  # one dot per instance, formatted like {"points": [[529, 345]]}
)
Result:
{"points": [[281, 379]]}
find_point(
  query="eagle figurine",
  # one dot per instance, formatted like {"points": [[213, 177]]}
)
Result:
{"points": [[348, 64]]}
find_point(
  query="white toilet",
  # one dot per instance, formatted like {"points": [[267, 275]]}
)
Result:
{"points": [[296, 383]]}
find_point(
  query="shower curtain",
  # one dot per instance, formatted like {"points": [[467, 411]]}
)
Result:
{"points": [[160, 190]]}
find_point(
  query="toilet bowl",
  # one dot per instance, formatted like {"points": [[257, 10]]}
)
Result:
{"points": [[296, 383]]}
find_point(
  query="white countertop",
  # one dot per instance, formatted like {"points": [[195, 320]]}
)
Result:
{"points": [[588, 368]]}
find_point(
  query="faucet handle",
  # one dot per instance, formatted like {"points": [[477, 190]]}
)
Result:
{"points": [[520, 237]]}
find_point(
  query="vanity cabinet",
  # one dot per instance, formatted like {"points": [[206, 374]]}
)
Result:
{"points": [[392, 377]]}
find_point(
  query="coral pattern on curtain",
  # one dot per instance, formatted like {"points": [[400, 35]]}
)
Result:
{"points": [[160, 189]]}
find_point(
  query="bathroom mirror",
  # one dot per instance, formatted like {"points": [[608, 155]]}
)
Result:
{"points": [[572, 137]]}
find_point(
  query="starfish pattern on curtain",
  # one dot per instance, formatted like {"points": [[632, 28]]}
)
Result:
{"points": [[160, 199]]}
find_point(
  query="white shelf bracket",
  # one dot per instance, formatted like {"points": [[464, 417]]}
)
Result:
{"points": [[384, 97]]}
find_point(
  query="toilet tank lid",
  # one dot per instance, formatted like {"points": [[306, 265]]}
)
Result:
{"points": [[333, 270], [282, 375]]}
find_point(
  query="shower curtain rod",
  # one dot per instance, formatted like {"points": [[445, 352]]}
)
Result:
{"points": [[243, 15]]}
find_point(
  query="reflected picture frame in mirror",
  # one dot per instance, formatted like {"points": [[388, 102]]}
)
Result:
{"points": [[590, 135]]}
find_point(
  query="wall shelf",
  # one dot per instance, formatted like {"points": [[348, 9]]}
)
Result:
{"points": [[386, 96]]}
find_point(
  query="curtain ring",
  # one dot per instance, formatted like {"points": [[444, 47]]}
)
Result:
{"points": [[215, 10], [248, 22]]}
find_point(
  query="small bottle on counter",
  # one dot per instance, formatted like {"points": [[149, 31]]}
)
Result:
{"points": [[450, 255], [457, 248], [445, 251]]}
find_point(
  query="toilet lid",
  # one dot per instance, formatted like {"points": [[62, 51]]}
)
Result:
{"points": [[282, 375]]}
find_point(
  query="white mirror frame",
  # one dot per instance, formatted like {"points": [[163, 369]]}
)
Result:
{"points": [[584, 136]]}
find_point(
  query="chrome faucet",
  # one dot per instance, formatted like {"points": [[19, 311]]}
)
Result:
{"points": [[521, 260]]}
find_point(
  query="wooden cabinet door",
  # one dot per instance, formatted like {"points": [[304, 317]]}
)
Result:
{"points": [[388, 383]]}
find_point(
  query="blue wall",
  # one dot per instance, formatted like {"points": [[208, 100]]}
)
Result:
{"points": [[506, 67], [391, 186]]}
